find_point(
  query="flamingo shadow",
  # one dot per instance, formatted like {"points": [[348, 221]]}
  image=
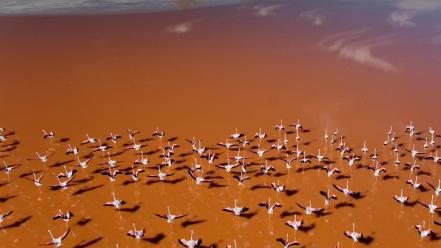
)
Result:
{"points": [[155, 239], [87, 189], [191, 222], [84, 244], [288, 213], [6, 198], [308, 228], [344, 204], [18, 223], [83, 221], [132, 209]]}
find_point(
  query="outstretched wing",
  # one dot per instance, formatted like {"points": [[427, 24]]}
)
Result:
{"points": [[183, 242], [317, 210], [191, 174], [65, 234], [180, 216], [425, 205], [131, 233], [8, 213], [337, 187], [430, 185], [348, 234], [300, 206], [228, 209], [281, 241], [293, 243], [163, 216], [264, 204]]}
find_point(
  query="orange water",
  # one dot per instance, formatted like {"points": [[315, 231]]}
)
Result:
{"points": [[96, 74]]}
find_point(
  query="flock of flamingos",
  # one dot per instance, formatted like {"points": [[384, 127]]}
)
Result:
{"points": [[236, 155]]}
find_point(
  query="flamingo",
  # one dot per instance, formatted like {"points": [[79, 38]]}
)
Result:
{"points": [[190, 243], [422, 231], [355, 236], [88, 140], [170, 217], [270, 207], [137, 234], [346, 190], [310, 210], [115, 203], [48, 135], [236, 210], [286, 243], [401, 198], [66, 217], [296, 224], [57, 241]]}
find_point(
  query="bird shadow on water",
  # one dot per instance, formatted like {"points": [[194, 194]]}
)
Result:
{"points": [[171, 139], [185, 154], [303, 169], [4, 199], [131, 209], [151, 152], [99, 170], [17, 223], [83, 180], [175, 181], [307, 143], [424, 173], [275, 158], [340, 177], [184, 167], [63, 140], [287, 213], [84, 244], [213, 245], [410, 203], [155, 239], [83, 221], [192, 221], [210, 176], [435, 237], [180, 161], [388, 177], [115, 154], [14, 143], [259, 186], [25, 174], [344, 204], [358, 196], [366, 240], [150, 182], [249, 215], [87, 189], [290, 192], [128, 182], [307, 228], [279, 174], [58, 163], [144, 140], [9, 149], [216, 185]]}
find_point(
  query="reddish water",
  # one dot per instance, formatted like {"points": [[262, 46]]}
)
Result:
{"points": [[95, 74]]}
